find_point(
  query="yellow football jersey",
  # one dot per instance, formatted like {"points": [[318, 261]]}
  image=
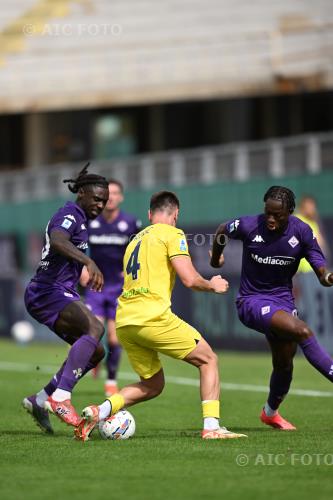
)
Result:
{"points": [[304, 266], [149, 276]]}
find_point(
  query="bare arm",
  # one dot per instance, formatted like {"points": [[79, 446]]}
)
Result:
{"points": [[220, 241], [192, 279], [325, 276], [60, 243], [84, 278]]}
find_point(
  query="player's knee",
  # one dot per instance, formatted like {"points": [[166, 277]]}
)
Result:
{"points": [[155, 386], [302, 332], [210, 358], [205, 357], [98, 355], [283, 366], [213, 358], [96, 328], [156, 391]]}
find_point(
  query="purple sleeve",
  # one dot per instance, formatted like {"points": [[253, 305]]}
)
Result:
{"points": [[66, 223], [311, 250], [236, 229]]}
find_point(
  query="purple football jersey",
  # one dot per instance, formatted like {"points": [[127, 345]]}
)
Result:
{"points": [[271, 259], [108, 242], [55, 269]]}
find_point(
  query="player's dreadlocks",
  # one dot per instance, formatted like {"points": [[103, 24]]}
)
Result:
{"points": [[283, 194], [85, 179]]}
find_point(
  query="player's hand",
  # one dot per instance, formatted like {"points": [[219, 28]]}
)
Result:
{"points": [[219, 284], [96, 280], [84, 278], [221, 259]]}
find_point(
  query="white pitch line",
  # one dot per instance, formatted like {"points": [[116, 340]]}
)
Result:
{"points": [[226, 386]]}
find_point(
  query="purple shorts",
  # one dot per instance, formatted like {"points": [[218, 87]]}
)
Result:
{"points": [[256, 312], [45, 303], [104, 304]]}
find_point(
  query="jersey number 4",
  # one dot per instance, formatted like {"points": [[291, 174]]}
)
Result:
{"points": [[133, 265]]}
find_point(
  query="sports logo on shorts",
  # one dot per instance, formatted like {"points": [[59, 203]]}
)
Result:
{"points": [[66, 223], [265, 310], [67, 294], [293, 242], [183, 246]]}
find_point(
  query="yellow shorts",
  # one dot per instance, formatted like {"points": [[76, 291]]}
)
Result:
{"points": [[175, 338]]}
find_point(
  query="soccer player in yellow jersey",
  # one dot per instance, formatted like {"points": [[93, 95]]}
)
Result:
{"points": [[146, 325]]}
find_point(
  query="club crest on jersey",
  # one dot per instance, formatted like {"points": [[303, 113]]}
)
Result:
{"points": [[122, 225], [183, 246], [234, 225], [265, 310], [94, 224], [293, 242], [258, 239], [66, 223]]}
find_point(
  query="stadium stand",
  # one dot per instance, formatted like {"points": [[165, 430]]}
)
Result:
{"points": [[132, 52], [306, 154]]}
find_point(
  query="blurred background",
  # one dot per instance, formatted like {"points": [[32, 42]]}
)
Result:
{"points": [[216, 100]]}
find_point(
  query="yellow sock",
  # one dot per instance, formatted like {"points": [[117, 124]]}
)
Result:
{"points": [[211, 408], [117, 402]]}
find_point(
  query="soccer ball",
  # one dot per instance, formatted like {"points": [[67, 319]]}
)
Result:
{"points": [[118, 426], [23, 331]]}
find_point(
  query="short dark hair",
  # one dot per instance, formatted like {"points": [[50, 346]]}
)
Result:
{"points": [[283, 194], [164, 201], [117, 183], [84, 179]]}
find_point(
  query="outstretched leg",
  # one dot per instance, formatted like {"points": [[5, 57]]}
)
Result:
{"points": [[287, 327], [129, 395]]}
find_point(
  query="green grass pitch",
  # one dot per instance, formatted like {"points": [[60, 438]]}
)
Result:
{"points": [[166, 459]]}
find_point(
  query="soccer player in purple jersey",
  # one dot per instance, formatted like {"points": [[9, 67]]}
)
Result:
{"points": [[109, 235], [52, 300], [273, 245]]}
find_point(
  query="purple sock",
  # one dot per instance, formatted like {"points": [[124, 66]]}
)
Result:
{"points": [[318, 357], [279, 387], [53, 384], [77, 362], [112, 361]]}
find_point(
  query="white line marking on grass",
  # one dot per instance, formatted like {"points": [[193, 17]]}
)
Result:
{"points": [[226, 386]]}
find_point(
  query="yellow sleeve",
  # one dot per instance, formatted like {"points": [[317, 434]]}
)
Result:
{"points": [[177, 244]]}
